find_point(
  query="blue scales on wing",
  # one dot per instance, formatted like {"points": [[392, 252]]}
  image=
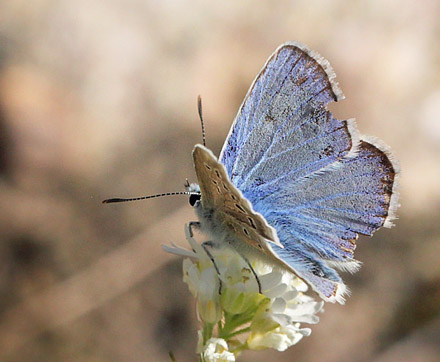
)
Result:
{"points": [[310, 175]]}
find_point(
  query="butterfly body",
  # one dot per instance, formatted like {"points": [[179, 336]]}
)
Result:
{"points": [[293, 185]]}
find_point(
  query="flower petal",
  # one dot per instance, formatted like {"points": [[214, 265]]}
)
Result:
{"points": [[177, 250], [216, 350]]}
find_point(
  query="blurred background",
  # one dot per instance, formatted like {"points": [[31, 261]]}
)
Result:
{"points": [[98, 99]]}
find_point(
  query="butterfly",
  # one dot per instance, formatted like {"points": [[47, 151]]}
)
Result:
{"points": [[293, 186]]}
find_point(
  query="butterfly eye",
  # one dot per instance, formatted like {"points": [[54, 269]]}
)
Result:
{"points": [[193, 198]]}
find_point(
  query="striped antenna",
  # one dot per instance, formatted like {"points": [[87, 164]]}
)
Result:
{"points": [[199, 107], [117, 199], [111, 201]]}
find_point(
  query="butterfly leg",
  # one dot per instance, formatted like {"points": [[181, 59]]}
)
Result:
{"points": [[252, 270], [195, 224], [206, 245]]}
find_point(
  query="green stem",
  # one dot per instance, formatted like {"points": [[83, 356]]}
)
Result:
{"points": [[233, 334], [235, 322], [241, 347], [219, 327], [207, 332]]}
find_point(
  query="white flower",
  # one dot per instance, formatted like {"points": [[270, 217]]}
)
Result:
{"points": [[203, 284], [240, 316], [216, 350], [201, 278], [280, 338], [288, 300]]}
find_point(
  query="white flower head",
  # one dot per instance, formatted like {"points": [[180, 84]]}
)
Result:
{"points": [[230, 305]]}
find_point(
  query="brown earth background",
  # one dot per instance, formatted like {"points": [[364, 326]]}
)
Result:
{"points": [[98, 99]]}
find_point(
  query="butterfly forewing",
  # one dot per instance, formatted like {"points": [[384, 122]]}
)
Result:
{"points": [[234, 211], [294, 85]]}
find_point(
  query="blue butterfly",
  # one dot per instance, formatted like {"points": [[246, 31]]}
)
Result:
{"points": [[294, 186]]}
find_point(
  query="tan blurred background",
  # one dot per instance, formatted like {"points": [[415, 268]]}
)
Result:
{"points": [[98, 99]]}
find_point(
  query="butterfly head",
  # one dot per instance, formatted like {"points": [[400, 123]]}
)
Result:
{"points": [[193, 198]]}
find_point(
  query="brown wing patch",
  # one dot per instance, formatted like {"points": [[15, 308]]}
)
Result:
{"points": [[386, 167], [220, 194]]}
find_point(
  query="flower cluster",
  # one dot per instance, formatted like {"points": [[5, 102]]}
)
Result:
{"points": [[234, 314]]}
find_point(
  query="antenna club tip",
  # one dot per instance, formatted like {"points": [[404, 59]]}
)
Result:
{"points": [[109, 201]]}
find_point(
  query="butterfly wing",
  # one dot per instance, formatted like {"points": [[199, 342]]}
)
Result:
{"points": [[284, 107], [231, 208], [310, 175]]}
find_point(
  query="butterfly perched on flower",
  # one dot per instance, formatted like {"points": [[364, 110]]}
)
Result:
{"points": [[294, 186]]}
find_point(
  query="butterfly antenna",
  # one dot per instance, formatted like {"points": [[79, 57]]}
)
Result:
{"points": [[110, 201], [199, 107]]}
